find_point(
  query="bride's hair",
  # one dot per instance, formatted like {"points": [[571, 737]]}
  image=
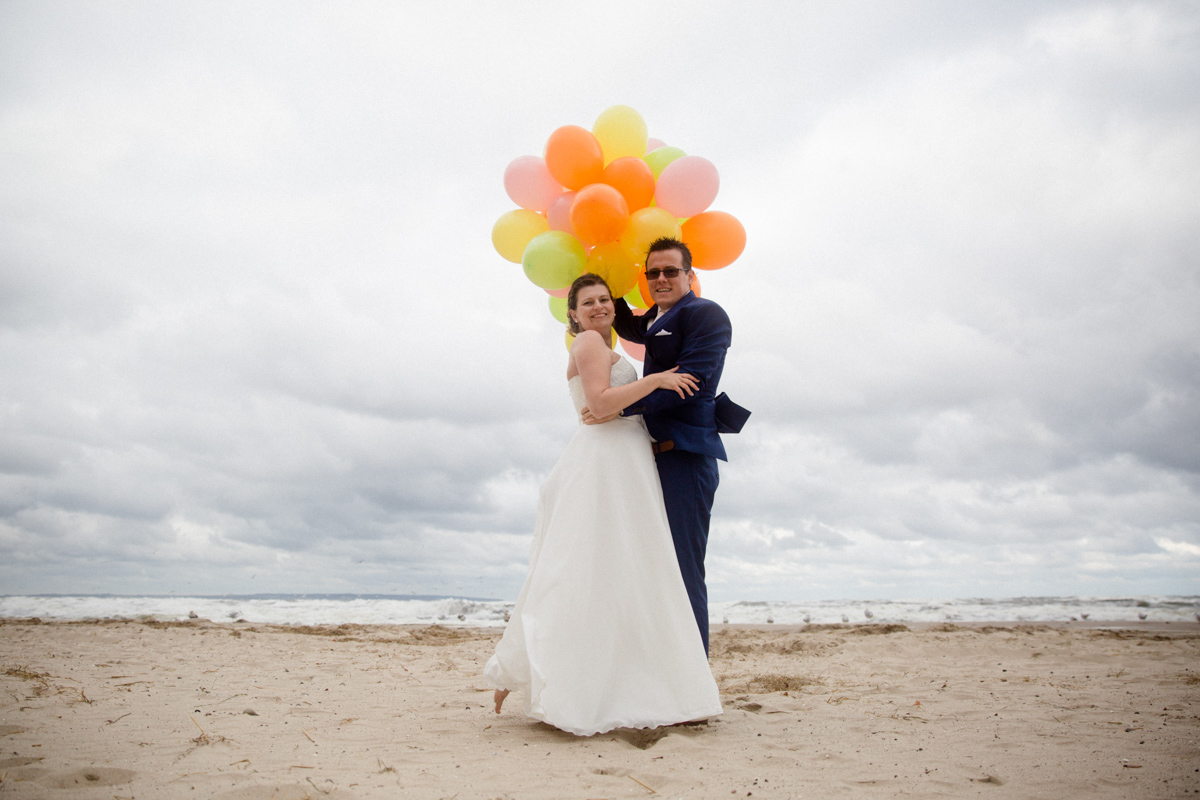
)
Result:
{"points": [[584, 280]]}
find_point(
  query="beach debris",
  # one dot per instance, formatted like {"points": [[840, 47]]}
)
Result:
{"points": [[250, 712], [27, 674], [639, 783], [989, 779], [770, 620], [319, 789], [204, 738], [769, 683]]}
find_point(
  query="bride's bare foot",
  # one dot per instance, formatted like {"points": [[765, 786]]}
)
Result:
{"points": [[499, 698]]}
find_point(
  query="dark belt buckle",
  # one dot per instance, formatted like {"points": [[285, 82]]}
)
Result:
{"points": [[662, 447]]}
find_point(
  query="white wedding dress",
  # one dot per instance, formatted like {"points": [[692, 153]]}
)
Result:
{"points": [[602, 635]]}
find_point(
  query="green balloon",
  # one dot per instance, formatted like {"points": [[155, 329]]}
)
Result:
{"points": [[558, 307], [658, 159], [552, 260]]}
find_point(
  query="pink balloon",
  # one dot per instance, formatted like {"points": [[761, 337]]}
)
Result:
{"points": [[654, 144], [529, 183], [559, 214], [558, 292], [687, 186], [635, 351]]}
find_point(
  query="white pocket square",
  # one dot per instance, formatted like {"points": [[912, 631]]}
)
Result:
{"points": [[663, 332]]}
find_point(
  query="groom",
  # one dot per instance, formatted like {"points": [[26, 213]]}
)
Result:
{"points": [[693, 334]]}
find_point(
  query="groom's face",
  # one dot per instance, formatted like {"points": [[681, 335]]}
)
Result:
{"points": [[667, 291]]}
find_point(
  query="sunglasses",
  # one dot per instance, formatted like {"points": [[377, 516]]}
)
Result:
{"points": [[669, 272]]}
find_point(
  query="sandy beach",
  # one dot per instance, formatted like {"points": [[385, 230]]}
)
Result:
{"points": [[250, 711]]}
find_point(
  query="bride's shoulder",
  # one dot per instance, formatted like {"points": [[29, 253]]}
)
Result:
{"points": [[586, 338], [589, 343]]}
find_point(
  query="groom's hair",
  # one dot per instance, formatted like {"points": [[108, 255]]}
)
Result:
{"points": [[671, 243], [584, 280]]}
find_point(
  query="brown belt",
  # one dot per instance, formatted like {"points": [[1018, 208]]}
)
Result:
{"points": [[662, 447]]}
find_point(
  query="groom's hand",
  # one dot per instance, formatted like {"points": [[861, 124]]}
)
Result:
{"points": [[590, 419]]}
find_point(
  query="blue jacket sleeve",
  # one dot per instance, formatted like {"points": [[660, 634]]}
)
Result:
{"points": [[629, 327], [705, 340]]}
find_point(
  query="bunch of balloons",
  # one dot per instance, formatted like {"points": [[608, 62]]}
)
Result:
{"points": [[596, 200]]}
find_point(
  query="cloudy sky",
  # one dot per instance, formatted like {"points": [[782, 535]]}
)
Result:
{"points": [[254, 336]]}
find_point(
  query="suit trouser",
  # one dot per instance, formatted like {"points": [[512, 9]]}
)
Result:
{"points": [[689, 482]]}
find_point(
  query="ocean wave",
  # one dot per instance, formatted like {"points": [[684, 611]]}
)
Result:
{"points": [[340, 609]]}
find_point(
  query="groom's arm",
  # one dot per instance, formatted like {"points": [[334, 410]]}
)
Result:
{"points": [[629, 327], [709, 334]]}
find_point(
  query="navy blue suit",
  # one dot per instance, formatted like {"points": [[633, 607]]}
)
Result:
{"points": [[692, 335]]}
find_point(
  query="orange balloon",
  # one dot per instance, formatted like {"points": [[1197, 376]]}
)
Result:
{"points": [[695, 284], [574, 157], [715, 238], [644, 289], [599, 214], [633, 179]]}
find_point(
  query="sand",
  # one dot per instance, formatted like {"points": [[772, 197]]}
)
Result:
{"points": [[251, 711]]}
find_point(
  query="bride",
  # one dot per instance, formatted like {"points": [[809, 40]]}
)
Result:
{"points": [[603, 635]]}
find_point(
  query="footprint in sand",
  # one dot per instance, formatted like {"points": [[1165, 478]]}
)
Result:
{"points": [[87, 776], [642, 739]]}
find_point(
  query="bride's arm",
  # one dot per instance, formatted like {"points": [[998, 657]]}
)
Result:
{"points": [[593, 359]]}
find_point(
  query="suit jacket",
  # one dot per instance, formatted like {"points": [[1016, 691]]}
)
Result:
{"points": [[693, 335]]}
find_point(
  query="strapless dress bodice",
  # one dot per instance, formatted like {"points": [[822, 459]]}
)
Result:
{"points": [[622, 373]]}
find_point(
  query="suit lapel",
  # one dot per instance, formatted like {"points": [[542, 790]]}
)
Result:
{"points": [[657, 324]]}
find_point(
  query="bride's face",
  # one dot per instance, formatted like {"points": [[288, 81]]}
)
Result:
{"points": [[593, 308]]}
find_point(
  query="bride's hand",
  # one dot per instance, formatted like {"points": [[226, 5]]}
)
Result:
{"points": [[591, 419], [681, 383]]}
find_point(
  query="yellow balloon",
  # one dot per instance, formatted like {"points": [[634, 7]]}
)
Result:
{"points": [[646, 225], [514, 230], [621, 132], [616, 265], [571, 338], [635, 299]]}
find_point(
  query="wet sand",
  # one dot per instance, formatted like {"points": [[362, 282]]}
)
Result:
{"points": [[243, 710]]}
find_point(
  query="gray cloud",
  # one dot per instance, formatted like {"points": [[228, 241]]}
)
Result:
{"points": [[254, 337]]}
